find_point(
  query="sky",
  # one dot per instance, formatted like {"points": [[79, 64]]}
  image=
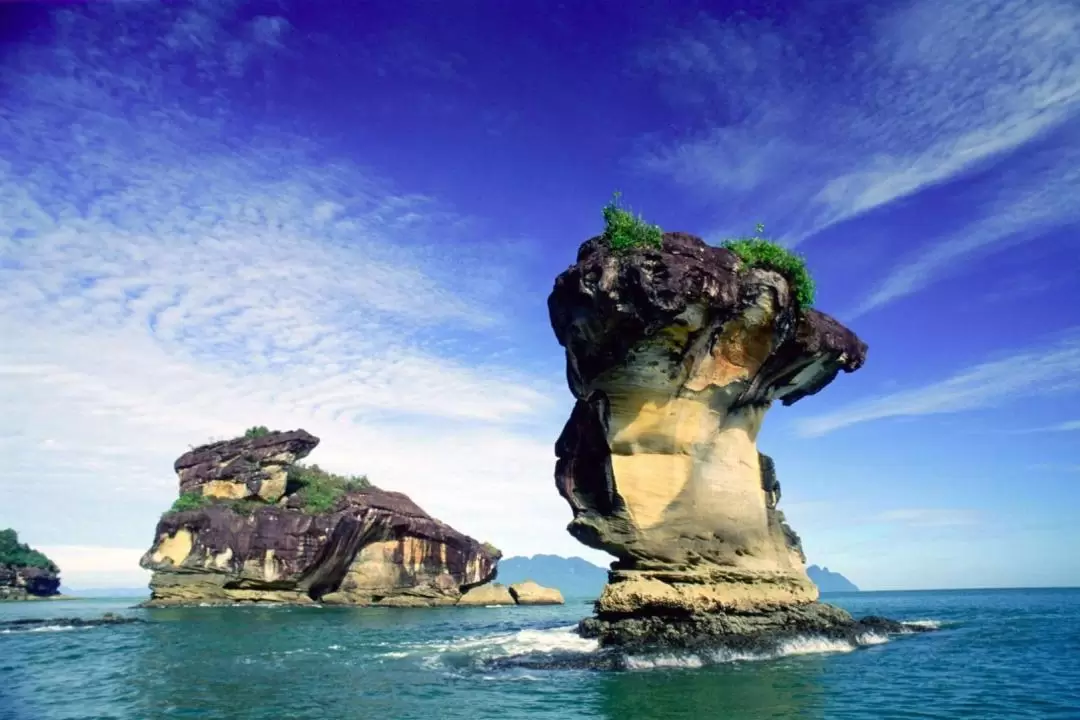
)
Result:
{"points": [[347, 218]]}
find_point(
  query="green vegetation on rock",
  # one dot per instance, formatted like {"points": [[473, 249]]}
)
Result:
{"points": [[319, 490], [625, 231], [760, 252], [491, 549], [17, 554], [190, 501], [257, 431]]}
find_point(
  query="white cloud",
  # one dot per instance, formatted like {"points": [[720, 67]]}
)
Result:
{"points": [[91, 566], [808, 133], [163, 285], [930, 517], [1047, 370]]}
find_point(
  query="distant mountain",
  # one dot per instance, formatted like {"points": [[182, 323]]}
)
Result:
{"points": [[574, 576], [829, 581]]}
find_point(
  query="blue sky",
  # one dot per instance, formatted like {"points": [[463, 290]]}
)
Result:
{"points": [[220, 214]]}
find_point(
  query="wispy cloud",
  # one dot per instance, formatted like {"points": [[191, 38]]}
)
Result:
{"points": [[1062, 427], [168, 278], [1022, 211], [929, 517], [1051, 369], [812, 127]]}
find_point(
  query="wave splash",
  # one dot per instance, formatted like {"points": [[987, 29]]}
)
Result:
{"points": [[563, 648], [800, 645]]}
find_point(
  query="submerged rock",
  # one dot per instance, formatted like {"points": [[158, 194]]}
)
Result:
{"points": [[26, 624], [674, 356], [359, 546]]}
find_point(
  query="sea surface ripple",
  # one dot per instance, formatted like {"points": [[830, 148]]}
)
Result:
{"points": [[1008, 654]]}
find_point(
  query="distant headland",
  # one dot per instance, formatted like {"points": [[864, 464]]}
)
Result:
{"points": [[25, 573], [829, 581]]}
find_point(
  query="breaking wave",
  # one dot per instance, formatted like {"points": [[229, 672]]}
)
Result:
{"points": [[802, 645], [41, 628], [560, 640], [562, 647]]}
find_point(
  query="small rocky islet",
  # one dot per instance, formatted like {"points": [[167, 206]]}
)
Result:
{"points": [[25, 573], [675, 350], [253, 524]]}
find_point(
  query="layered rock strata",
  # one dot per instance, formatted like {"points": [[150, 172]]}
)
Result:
{"points": [[254, 468], [369, 547], [674, 355]]}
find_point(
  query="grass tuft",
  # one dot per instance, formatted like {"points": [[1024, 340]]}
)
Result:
{"points": [[625, 231], [760, 252]]}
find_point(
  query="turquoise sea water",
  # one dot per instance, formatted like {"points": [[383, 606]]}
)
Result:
{"points": [[1006, 654]]}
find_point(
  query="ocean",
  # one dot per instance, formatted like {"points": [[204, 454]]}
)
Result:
{"points": [[1006, 654]]}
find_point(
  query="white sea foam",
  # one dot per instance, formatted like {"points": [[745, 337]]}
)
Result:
{"points": [[800, 645], [39, 629], [486, 647], [522, 642], [670, 660], [923, 624], [872, 639]]}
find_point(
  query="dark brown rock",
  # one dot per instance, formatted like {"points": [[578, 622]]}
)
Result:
{"points": [[607, 303], [244, 468], [20, 583]]}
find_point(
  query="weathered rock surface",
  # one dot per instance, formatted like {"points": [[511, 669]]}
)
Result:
{"points": [[372, 547], [531, 593], [674, 356], [23, 583], [244, 468], [491, 594]]}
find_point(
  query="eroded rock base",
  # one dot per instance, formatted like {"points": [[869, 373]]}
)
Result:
{"points": [[758, 633]]}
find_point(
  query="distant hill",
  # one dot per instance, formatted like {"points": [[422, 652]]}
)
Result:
{"points": [[574, 576], [829, 581]]}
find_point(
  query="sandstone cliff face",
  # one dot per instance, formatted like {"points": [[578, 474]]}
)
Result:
{"points": [[674, 356], [370, 546]]}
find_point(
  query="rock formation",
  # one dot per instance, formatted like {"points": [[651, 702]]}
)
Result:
{"points": [[674, 356], [484, 595], [25, 573], [248, 529], [254, 468], [530, 593]]}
